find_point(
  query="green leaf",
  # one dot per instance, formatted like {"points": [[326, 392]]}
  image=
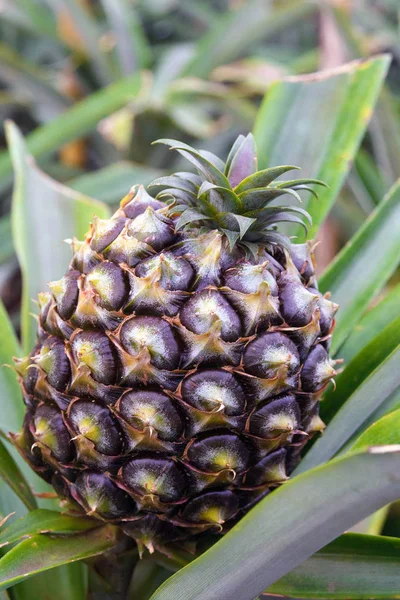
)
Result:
{"points": [[6, 245], [386, 431], [112, 183], [42, 520], [362, 365], [372, 323], [75, 122], [210, 171], [42, 552], [287, 527], [317, 122], [382, 382], [70, 581], [364, 265], [262, 178], [10, 473], [12, 408], [44, 213], [353, 566]]}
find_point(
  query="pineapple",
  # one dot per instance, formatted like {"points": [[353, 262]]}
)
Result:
{"points": [[181, 359]]}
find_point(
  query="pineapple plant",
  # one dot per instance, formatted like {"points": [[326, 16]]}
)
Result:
{"points": [[181, 359], [177, 376]]}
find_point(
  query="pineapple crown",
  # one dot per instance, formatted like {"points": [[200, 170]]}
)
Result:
{"points": [[233, 197]]}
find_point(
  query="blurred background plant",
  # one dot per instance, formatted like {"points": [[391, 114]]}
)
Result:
{"points": [[91, 83]]}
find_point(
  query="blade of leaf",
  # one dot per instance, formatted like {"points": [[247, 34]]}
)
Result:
{"points": [[11, 474], [329, 113], [353, 566], [375, 251], [112, 183], [262, 178], [386, 431], [366, 361], [42, 520], [373, 322], [11, 403], [42, 552], [244, 162], [44, 213], [6, 245], [362, 403], [245, 561]]}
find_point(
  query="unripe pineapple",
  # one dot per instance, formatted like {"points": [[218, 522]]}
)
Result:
{"points": [[181, 359]]}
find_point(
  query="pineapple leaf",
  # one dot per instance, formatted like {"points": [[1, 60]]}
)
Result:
{"points": [[244, 161], [333, 108], [352, 566], [210, 171], [44, 521], [234, 148], [176, 182], [262, 178], [372, 323], [374, 390], [244, 562], [190, 216], [11, 474], [368, 359], [230, 200], [373, 250], [260, 197], [244, 223], [42, 552], [384, 432]]}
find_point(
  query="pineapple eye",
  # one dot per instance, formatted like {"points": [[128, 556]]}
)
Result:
{"points": [[219, 452], [49, 429], [95, 350], [154, 334], [213, 390], [152, 476], [203, 308], [95, 423], [212, 507], [152, 409], [100, 496]]}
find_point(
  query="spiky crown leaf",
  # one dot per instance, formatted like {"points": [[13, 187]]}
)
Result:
{"points": [[233, 197]]}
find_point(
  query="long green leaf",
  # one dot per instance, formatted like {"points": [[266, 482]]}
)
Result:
{"points": [[70, 581], [44, 213], [372, 323], [76, 121], [44, 521], [6, 245], [364, 265], [287, 527], [384, 432], [353, 566], [11, 474], [42, 552], [366, 361], [317, 122], [12, 408], [362, 403], [114, 181]]}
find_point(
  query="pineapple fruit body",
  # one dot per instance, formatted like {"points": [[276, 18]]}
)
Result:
{"points": [[181, 359]]}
